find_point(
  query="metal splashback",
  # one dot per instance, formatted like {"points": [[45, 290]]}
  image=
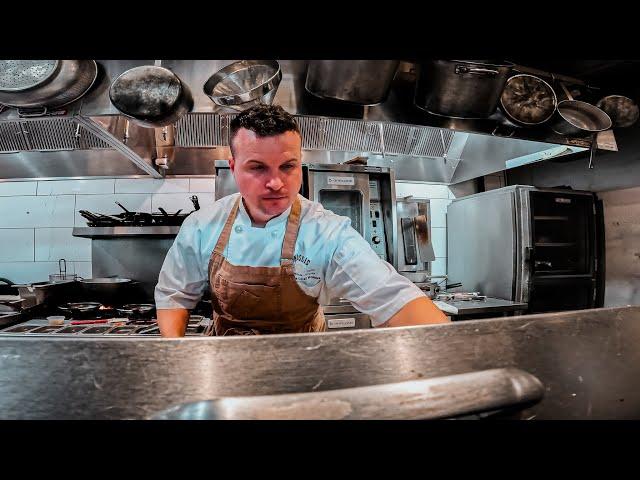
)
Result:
{"points": [[394, 134]]}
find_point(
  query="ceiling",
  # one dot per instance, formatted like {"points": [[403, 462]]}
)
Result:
{"points": [[617, 74]]}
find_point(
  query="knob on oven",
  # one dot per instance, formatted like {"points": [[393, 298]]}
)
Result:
{"points": [[376, 239]]}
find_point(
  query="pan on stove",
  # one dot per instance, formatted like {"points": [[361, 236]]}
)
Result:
{"points": [[137, 310], [79, 309]]}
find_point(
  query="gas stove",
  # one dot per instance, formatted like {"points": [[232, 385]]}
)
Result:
{"points": [[106, 327], [86, 318]]}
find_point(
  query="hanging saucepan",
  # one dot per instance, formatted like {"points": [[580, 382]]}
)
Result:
{"points": [[362, 82], [44, 84], [575, 118], [527, 100], [622, 110], [461, 88], [151, 95]]}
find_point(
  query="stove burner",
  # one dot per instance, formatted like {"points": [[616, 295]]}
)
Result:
{"points": [[20, 329], [45, 329], [124, 330], [72, 329], [96, 330]]}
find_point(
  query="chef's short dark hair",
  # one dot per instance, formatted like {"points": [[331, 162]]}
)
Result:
{"points": [[264, 120]]}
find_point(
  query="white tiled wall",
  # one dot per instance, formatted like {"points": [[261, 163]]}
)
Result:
{"points": [[440, 197], [37, 218]]}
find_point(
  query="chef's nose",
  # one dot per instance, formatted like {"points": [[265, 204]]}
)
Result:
{"points": [[275, 183]]}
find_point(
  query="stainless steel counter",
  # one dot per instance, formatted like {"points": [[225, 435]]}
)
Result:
{"points": [[588, 362]]}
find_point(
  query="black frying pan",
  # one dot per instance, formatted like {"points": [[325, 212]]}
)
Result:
{"points": [[152, 96]]}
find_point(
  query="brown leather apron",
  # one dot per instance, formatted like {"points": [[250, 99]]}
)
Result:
{"points": [[258, 300]]}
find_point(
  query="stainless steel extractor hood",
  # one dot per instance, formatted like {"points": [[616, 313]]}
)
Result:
{"points": [[92, 139]]}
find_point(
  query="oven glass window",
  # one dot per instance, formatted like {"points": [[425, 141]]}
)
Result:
{"points": [[347, 203]]}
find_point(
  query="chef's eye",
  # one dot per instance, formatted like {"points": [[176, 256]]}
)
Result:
{"points": [[257, 168], [288, 166]]}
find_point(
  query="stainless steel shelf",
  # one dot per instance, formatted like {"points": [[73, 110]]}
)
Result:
{"points": [[104, 232]]}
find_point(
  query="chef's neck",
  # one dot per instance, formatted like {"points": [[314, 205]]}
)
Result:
{"points": [[254, 223]]}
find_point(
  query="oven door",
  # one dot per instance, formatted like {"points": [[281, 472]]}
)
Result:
{"points": [[344, 193]]}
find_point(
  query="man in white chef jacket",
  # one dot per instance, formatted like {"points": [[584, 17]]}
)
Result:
{"points": [[270, 256]]}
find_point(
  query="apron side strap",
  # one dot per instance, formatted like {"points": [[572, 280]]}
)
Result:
{"points": [[226, 230], [291, 234]]}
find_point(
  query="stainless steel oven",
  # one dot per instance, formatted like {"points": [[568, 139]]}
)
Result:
{"points": [[367, 196], [537, 246]]}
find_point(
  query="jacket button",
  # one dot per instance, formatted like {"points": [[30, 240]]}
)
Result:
{"points": [[239, 229], [274, 234]]}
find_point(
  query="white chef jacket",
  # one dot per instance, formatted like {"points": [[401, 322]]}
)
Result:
{"points": [[331, 259]]}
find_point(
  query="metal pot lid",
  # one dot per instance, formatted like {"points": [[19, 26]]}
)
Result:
{"points": [[528, 99], [147, 92], [19, 75]]}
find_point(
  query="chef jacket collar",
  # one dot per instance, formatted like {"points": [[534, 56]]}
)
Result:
{"points": [[245, 220]]}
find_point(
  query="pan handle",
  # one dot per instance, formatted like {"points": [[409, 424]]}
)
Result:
{"points": [[440, 397], [483, 72]]}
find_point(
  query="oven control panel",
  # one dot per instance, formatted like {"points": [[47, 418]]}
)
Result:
{"points": [[376, 229]]}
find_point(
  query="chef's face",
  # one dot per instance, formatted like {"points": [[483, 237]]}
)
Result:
{"points": [[268, 172]]}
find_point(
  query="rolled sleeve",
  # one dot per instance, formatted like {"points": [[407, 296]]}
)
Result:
{"points": [[182, 279], [373, 286]]}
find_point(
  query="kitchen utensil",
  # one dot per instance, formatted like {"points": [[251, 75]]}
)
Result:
{"points": [[45, 84], [88, 322], [62, 275], [432, 398], [576, 118], [78, 309], [137, 310], [461, 88], [244, 84], [151, 95], [56, 320], [7, 287], [528, 100], [622, 110], [362, 82], [196, 203]]}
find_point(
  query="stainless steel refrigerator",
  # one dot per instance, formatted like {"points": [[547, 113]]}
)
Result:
{"points": [[544, 247]]}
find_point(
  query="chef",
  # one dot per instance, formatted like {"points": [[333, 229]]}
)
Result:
{"points": [[270, 256]]}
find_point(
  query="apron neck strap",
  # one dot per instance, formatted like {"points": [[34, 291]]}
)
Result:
{"points": [[226, 230], [291, 234]]}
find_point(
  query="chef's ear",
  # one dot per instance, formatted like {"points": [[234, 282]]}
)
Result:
{"points": [[232, 163]]}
